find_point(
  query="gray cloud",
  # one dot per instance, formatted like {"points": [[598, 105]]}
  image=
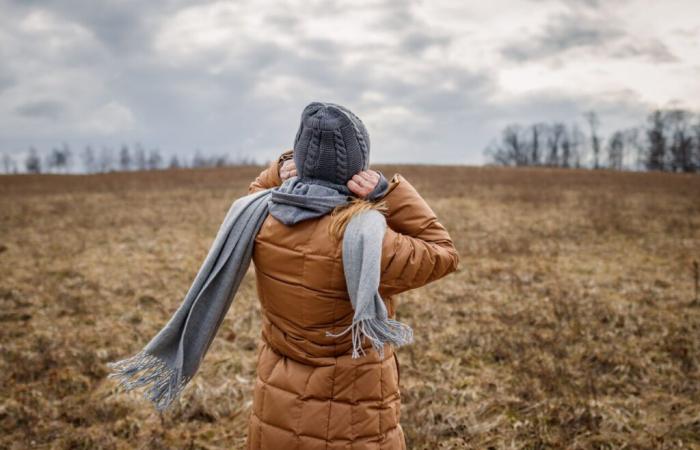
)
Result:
{"points": [[183, 75], [592, 4], [7, 80], [563, 32], [653, 50], [121, 26], [586, 26], [418, 41], [45, 109]]}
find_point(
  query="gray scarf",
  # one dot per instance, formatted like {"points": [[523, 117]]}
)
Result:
{"points": [[170, 360]]}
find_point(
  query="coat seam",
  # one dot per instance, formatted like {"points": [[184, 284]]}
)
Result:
{"points": [[330, 405], [301, 410], [335, 367], [353, 406], [263, 391], [381, 402]]}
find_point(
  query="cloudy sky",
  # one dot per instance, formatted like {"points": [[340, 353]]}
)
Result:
{"points": [[434, 81]]}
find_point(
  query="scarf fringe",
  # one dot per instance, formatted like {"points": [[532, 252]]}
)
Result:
{"points": [[144, 369], [379, 332]]}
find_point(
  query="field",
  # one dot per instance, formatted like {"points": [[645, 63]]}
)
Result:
{"points": [[572, 322]]}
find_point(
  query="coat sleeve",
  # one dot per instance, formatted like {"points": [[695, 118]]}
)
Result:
{"points": [[270, 177], [417, 249]]}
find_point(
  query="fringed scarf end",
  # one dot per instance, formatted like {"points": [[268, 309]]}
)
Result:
{"points": [[144, 369], [379, 332]]}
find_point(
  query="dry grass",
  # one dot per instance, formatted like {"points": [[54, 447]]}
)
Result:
{"points": [[571, 323]]}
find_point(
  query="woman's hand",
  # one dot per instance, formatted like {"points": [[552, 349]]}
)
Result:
{"points": [[363, 183], [288, 169]]}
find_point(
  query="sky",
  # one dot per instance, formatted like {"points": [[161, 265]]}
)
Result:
{"points": [[434, 81]]}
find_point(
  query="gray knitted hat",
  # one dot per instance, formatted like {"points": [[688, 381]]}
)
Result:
{"points": [[332, 144]]}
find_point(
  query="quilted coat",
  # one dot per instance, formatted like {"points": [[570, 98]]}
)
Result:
{"points": [[309, 393]]}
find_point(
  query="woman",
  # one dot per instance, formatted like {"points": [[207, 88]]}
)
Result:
{"points": [[310, 393]]}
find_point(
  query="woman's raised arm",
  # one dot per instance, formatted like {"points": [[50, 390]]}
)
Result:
{"points": [[270, 177], [417, 249]]}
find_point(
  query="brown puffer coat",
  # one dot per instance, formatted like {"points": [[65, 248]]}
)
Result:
{"points": [[309, 392]]}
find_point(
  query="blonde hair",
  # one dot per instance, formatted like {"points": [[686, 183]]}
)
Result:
{"points": [[342, 214]]}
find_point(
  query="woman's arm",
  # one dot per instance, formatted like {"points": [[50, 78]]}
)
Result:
{"points": [[417, 249], [270, 177]]}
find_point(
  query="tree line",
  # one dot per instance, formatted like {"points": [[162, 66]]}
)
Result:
{"points": [[63, 159], [669, 140]]}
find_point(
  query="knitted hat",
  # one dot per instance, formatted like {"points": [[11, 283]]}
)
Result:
{"points": [[332, 144]]}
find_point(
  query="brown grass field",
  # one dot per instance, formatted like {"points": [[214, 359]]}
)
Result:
{"points": [[571, 323]]}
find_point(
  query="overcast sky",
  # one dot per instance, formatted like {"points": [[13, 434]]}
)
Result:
{"points": [[434, 81]]}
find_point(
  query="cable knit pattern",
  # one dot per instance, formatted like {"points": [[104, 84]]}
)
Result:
{"points": [[362, 135], [363, 145], [341, 152], [341, 155], [312, 154]]}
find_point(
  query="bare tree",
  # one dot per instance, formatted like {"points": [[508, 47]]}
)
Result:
{"points": [[88, 157], [50, 160], [670, 140], [8, 163], [174, 162], [553, 142], [696, 147], [124, 158], [67, 156], [140, 157], [656, 137], [512, 150], [198, 160], [536, 132], [577, 139], [681, 141], [616, 150], [593, 123], [567, 156], [635, 144], [220, 161], [154, 159], [32, 163], [59, 159]]}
